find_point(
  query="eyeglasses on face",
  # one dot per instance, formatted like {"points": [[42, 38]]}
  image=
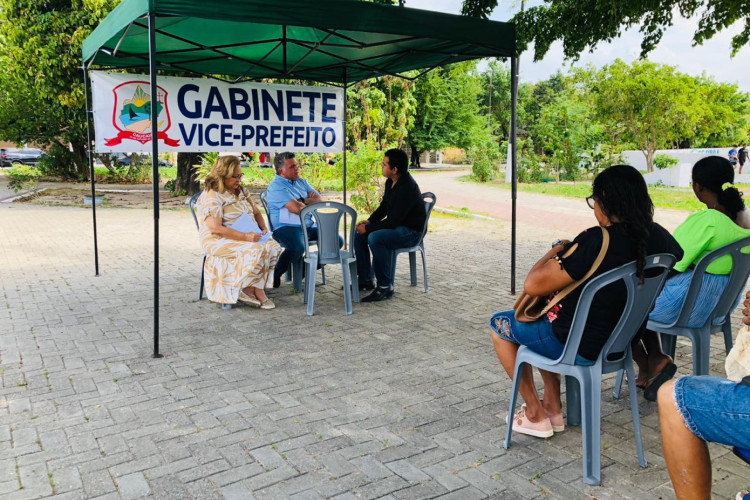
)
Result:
{"points": [[237, 177], [590, 201]]}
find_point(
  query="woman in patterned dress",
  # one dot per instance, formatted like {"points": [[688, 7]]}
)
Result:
{"points": [[238, 266]]}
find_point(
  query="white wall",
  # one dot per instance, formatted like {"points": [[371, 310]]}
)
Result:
{"points": [[638, 159]]}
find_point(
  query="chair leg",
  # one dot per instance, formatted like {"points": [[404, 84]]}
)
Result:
{"points": [[203, 266], [355, 280], [727, 329], [701, 353], [288, 274], [618, 385], [591, 400], [668, 344], [394, 258], [424, 269], [346, 278], [297, 274], [573, 397], [226, 307], [323, 274], [634, 410], [512, 405], [413, 267], [310, 286]]}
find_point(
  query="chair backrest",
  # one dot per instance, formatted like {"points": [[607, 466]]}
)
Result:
{"points": [[264, 202], [429, 203], [736, 284], [327, 216], [193, 209], [639, 300]]}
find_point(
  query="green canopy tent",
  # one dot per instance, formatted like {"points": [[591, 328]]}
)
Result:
{"points": [[338, 42]]}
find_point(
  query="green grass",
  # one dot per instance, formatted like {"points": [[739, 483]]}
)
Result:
{"points": [[662, 196]]}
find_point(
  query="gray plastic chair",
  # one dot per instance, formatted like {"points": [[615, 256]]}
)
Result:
{"points": [[294, 273], [194, 210], [429, 203], [584, 382], [327, 215], [719, 319]]}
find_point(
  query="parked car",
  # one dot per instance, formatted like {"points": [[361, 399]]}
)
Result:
{"points": [[121, 159], [16, 156]]}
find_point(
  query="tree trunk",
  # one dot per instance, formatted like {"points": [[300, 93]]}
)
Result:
{"points": [[81, 160], [415, 157], [186, 181], [650, 159]]}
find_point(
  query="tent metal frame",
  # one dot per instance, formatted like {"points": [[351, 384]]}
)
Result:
{"points": [[287, 73]]}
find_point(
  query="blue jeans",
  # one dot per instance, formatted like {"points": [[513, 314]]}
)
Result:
{"points": [[381, 244], [715, 409], [537, 335], [290, 237]]}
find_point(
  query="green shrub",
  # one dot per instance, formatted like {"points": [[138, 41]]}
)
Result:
{"points": [[485, 160], [364, 176], [665, 161], [530, 167], [23, 178], [57, 162]]}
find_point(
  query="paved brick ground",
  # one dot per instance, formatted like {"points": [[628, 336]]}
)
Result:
{"points": [[400, 400]]}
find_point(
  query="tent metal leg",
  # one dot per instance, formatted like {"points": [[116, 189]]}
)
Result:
{"points": [[155, 168], [345, 111], [513, 166], [90, 151]]}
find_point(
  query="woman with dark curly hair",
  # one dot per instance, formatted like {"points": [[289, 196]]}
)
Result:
{"points": [[624, 209], [701, 233]]}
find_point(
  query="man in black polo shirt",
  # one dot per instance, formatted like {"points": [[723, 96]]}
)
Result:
{"points": [[396, 223], [742, 156]]}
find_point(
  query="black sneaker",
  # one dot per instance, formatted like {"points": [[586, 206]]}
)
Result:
{"points": [[379, 294], [366, 285]]}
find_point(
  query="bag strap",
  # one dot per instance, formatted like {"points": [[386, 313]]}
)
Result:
{"points": [[566, 291]]}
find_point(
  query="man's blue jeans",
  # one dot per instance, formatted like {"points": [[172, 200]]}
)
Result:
{"points": [[381, 244], [290, 237]]}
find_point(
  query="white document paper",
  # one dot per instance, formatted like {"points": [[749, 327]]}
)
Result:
{"points": [[246, 224], [265, 237], [287, 217]]}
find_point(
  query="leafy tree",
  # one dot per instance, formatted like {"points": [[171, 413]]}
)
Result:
{"points": [[496, 79], [41, 83], [380, 110], [447, 110], [582, 24], [725, 118], [650, 105]]}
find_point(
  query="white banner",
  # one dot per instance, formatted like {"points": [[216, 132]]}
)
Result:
{"points": [[201, 115]]}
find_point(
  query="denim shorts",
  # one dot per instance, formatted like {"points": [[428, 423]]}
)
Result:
{"points": [[537, 336], [715, 409]]}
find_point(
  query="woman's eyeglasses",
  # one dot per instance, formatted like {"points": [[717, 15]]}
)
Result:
{"points": [[590, 201], [237, 177]]}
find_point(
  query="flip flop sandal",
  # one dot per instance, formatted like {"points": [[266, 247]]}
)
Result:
{"points": [[657, 380]]}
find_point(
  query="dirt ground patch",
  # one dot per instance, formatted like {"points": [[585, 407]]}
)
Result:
{"points": [[73, 197]]}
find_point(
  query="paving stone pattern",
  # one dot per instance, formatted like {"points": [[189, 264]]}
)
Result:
{"points": [[403, 399]]}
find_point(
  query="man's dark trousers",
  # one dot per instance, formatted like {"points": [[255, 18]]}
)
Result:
{"points": [[381, 244], [291, 238]]}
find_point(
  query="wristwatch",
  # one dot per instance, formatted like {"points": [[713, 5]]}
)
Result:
{"points": [[557, 242]]}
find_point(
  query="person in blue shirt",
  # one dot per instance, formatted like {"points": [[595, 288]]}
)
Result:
{"points": [[733, 156], [287, 195]]}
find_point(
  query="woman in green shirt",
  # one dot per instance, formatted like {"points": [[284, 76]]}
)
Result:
{"points": [[700, 234]]}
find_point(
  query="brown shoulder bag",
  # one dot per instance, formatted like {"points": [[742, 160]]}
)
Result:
{"points": [[530, 308]]}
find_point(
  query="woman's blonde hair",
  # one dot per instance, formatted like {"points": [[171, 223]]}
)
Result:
{"points": [[223, 168]]}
